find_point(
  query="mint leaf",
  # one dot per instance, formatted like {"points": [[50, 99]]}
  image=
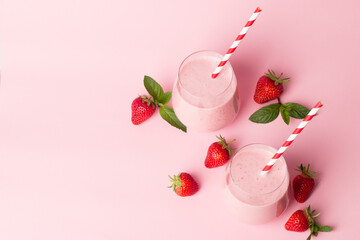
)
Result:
{"points": [[266, 114], [285, 115], [165, 98], [296, 110], [325, 229], [154, 89], [168, 114]]}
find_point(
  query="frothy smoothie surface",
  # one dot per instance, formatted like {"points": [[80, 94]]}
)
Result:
{"points": [[246, 167], [195, 76]]}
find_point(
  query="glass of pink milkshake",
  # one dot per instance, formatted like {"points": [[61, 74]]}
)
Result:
{"points": [[201, 102], [251, 197]]}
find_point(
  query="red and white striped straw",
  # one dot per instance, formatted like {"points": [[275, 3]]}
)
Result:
{"points": [[236, 42], [288, 142]]}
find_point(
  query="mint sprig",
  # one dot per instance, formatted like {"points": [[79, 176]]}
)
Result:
{"points": [[160, 100], [271, 112], [313, 225]]}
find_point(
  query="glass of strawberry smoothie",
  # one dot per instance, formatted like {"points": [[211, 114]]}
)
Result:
{"points": [[201, 102], [251, 197]]}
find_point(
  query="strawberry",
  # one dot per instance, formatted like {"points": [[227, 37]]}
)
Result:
{"points": [[184, 185], [141, 109], [303, 184], [218, 153], [269, 87], [298, 222], [301, 220]]}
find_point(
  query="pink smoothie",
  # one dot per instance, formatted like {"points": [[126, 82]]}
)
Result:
{"points": [[251, 197], [201, 102]]}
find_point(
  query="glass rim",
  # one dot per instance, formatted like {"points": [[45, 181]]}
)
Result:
{"points": [[205, 51], [281, 158]]}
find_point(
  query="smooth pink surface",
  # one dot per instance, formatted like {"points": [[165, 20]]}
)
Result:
{"points": [[74, 167]]}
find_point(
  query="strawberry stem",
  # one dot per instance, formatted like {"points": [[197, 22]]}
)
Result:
{"points": [[277, 79], [225, 145], [306, 171], [148, 100], [175, 181]]}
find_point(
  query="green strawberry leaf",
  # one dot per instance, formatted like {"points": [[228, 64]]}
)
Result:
{"points": [[266, 114], [165, 98], [325, 229], [296, 110], [154, 89], [285, 115], [168, 114]]}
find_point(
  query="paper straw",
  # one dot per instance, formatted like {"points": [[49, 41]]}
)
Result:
{"points": [[288, 142], [236, 42]]}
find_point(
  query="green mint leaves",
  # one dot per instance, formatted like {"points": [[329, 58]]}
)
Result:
{"points": [[168, 114], [271, 112], [165, 98], [325, 229], [296, 110], [161, 99], [285, 114], [266, 114], [153, 88]]}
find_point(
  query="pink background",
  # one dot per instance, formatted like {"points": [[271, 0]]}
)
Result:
{"points": [[74, 167]]}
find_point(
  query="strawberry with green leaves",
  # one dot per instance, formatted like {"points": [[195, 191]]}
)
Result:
{"points": [[144, 107], [269, 87], [184, 184], [218, 153], [302, 220], [303, 184]]}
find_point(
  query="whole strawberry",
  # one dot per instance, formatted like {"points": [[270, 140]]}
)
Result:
{"points": [[298, 222], [141, 109], [184, 185], [303, 184], [269, 87], [218, 153], [302, 220]]}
